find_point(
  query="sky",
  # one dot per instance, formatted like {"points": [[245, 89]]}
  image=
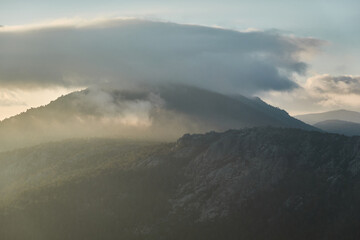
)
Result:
{"points": [[302, 56]]}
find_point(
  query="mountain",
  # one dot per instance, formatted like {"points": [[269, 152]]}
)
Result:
{"points": [[254, 183], [162, 113], [343, 115], [340, 127]]}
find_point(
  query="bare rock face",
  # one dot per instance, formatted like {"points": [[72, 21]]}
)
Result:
{"points": [[256, 183]]}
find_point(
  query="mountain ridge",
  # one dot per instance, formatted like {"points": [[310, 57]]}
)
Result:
{"points": [[341, 114]]}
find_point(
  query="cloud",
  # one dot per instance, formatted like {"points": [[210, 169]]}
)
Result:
{"points": [[10, 98], [334, 91], [340, 85], [127, 51], [320, 93], [127, 109]]}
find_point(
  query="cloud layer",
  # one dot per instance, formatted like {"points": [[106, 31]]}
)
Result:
{"points": [[135, 51]]}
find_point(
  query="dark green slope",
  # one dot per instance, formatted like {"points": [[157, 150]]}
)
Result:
{"points": [[259, 183]]}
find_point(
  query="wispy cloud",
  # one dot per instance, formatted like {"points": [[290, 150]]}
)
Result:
{"points": [[10, 98], [341, 85], [334, 91]]}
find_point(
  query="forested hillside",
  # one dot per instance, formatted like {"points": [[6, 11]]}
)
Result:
{"points": [[258, 183]]}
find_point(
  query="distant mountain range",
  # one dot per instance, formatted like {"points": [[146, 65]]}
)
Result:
{"points": [[340, 127], [343, 115], [340, 121], [258, 183], [151, 113]]}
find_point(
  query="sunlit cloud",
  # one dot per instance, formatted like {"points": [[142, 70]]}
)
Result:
{"points": [[10, 98], [340, 85], [320, 92], [74, 22]]}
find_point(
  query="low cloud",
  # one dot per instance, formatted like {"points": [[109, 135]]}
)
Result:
{"points": [[72, 54]]}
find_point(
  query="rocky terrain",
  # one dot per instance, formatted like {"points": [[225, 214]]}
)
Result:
{"points": [[255, 183]]}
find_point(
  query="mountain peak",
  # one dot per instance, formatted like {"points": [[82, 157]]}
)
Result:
{"points": [[149, 113]]}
